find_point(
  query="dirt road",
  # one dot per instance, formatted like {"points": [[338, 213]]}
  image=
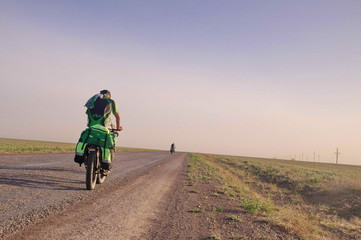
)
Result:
{"points": [[43, 196]]}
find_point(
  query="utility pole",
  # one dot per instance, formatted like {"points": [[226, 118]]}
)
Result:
{"points": [[337, 153], [314, 156], [302, 156]]}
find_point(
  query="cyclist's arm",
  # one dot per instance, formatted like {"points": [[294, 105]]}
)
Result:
{"points": [[116, 114], [117, 120]]}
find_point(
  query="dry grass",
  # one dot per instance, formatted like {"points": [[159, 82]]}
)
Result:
{"points": [[10, 145], [312, 200]]}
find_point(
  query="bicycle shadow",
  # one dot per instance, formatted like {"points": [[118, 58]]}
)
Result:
{"points": [[42, 178]]}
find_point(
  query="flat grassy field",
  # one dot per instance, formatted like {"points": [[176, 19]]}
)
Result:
{"points": [[9, 145], [311, 200]]}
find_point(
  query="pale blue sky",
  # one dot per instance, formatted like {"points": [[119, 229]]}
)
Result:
{"points": [[258, 78]]}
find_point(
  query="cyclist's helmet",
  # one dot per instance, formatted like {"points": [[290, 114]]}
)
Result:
{"points": [[106, 93]]}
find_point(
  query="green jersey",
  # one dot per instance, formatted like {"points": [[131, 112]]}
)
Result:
{"points": [[99, 112]]}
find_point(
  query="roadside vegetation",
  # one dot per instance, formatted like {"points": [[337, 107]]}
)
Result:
{"points": [[10, 145], [310, 201]]}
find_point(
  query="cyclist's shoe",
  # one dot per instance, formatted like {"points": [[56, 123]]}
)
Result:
{"points": [[105, 172], [105, 166], [79, 159]]}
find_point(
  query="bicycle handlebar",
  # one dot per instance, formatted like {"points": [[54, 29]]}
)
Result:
{"points": [[113, 130]]}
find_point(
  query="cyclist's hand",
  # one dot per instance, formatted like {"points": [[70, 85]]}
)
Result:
{"points": [[120, 128]]}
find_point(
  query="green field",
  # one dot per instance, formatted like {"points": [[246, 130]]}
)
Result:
{"points": [[10, 145], [311, 200]]}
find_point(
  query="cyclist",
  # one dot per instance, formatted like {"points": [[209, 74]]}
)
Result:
{"points": [[172, 148], [99, 108]]}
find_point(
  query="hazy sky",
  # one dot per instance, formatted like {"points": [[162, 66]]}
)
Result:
{"points": [[261, 78]]}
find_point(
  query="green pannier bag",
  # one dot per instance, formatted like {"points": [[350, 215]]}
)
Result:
{"points": [[98, 135]]}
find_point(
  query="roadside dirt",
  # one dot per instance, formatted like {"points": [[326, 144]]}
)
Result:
{"points": [[198, 211]]}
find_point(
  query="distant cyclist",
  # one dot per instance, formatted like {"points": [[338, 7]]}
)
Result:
{"points": [[172, 148]]}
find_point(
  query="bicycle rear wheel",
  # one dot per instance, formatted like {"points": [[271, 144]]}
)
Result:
{"points": [[91, 171]]}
